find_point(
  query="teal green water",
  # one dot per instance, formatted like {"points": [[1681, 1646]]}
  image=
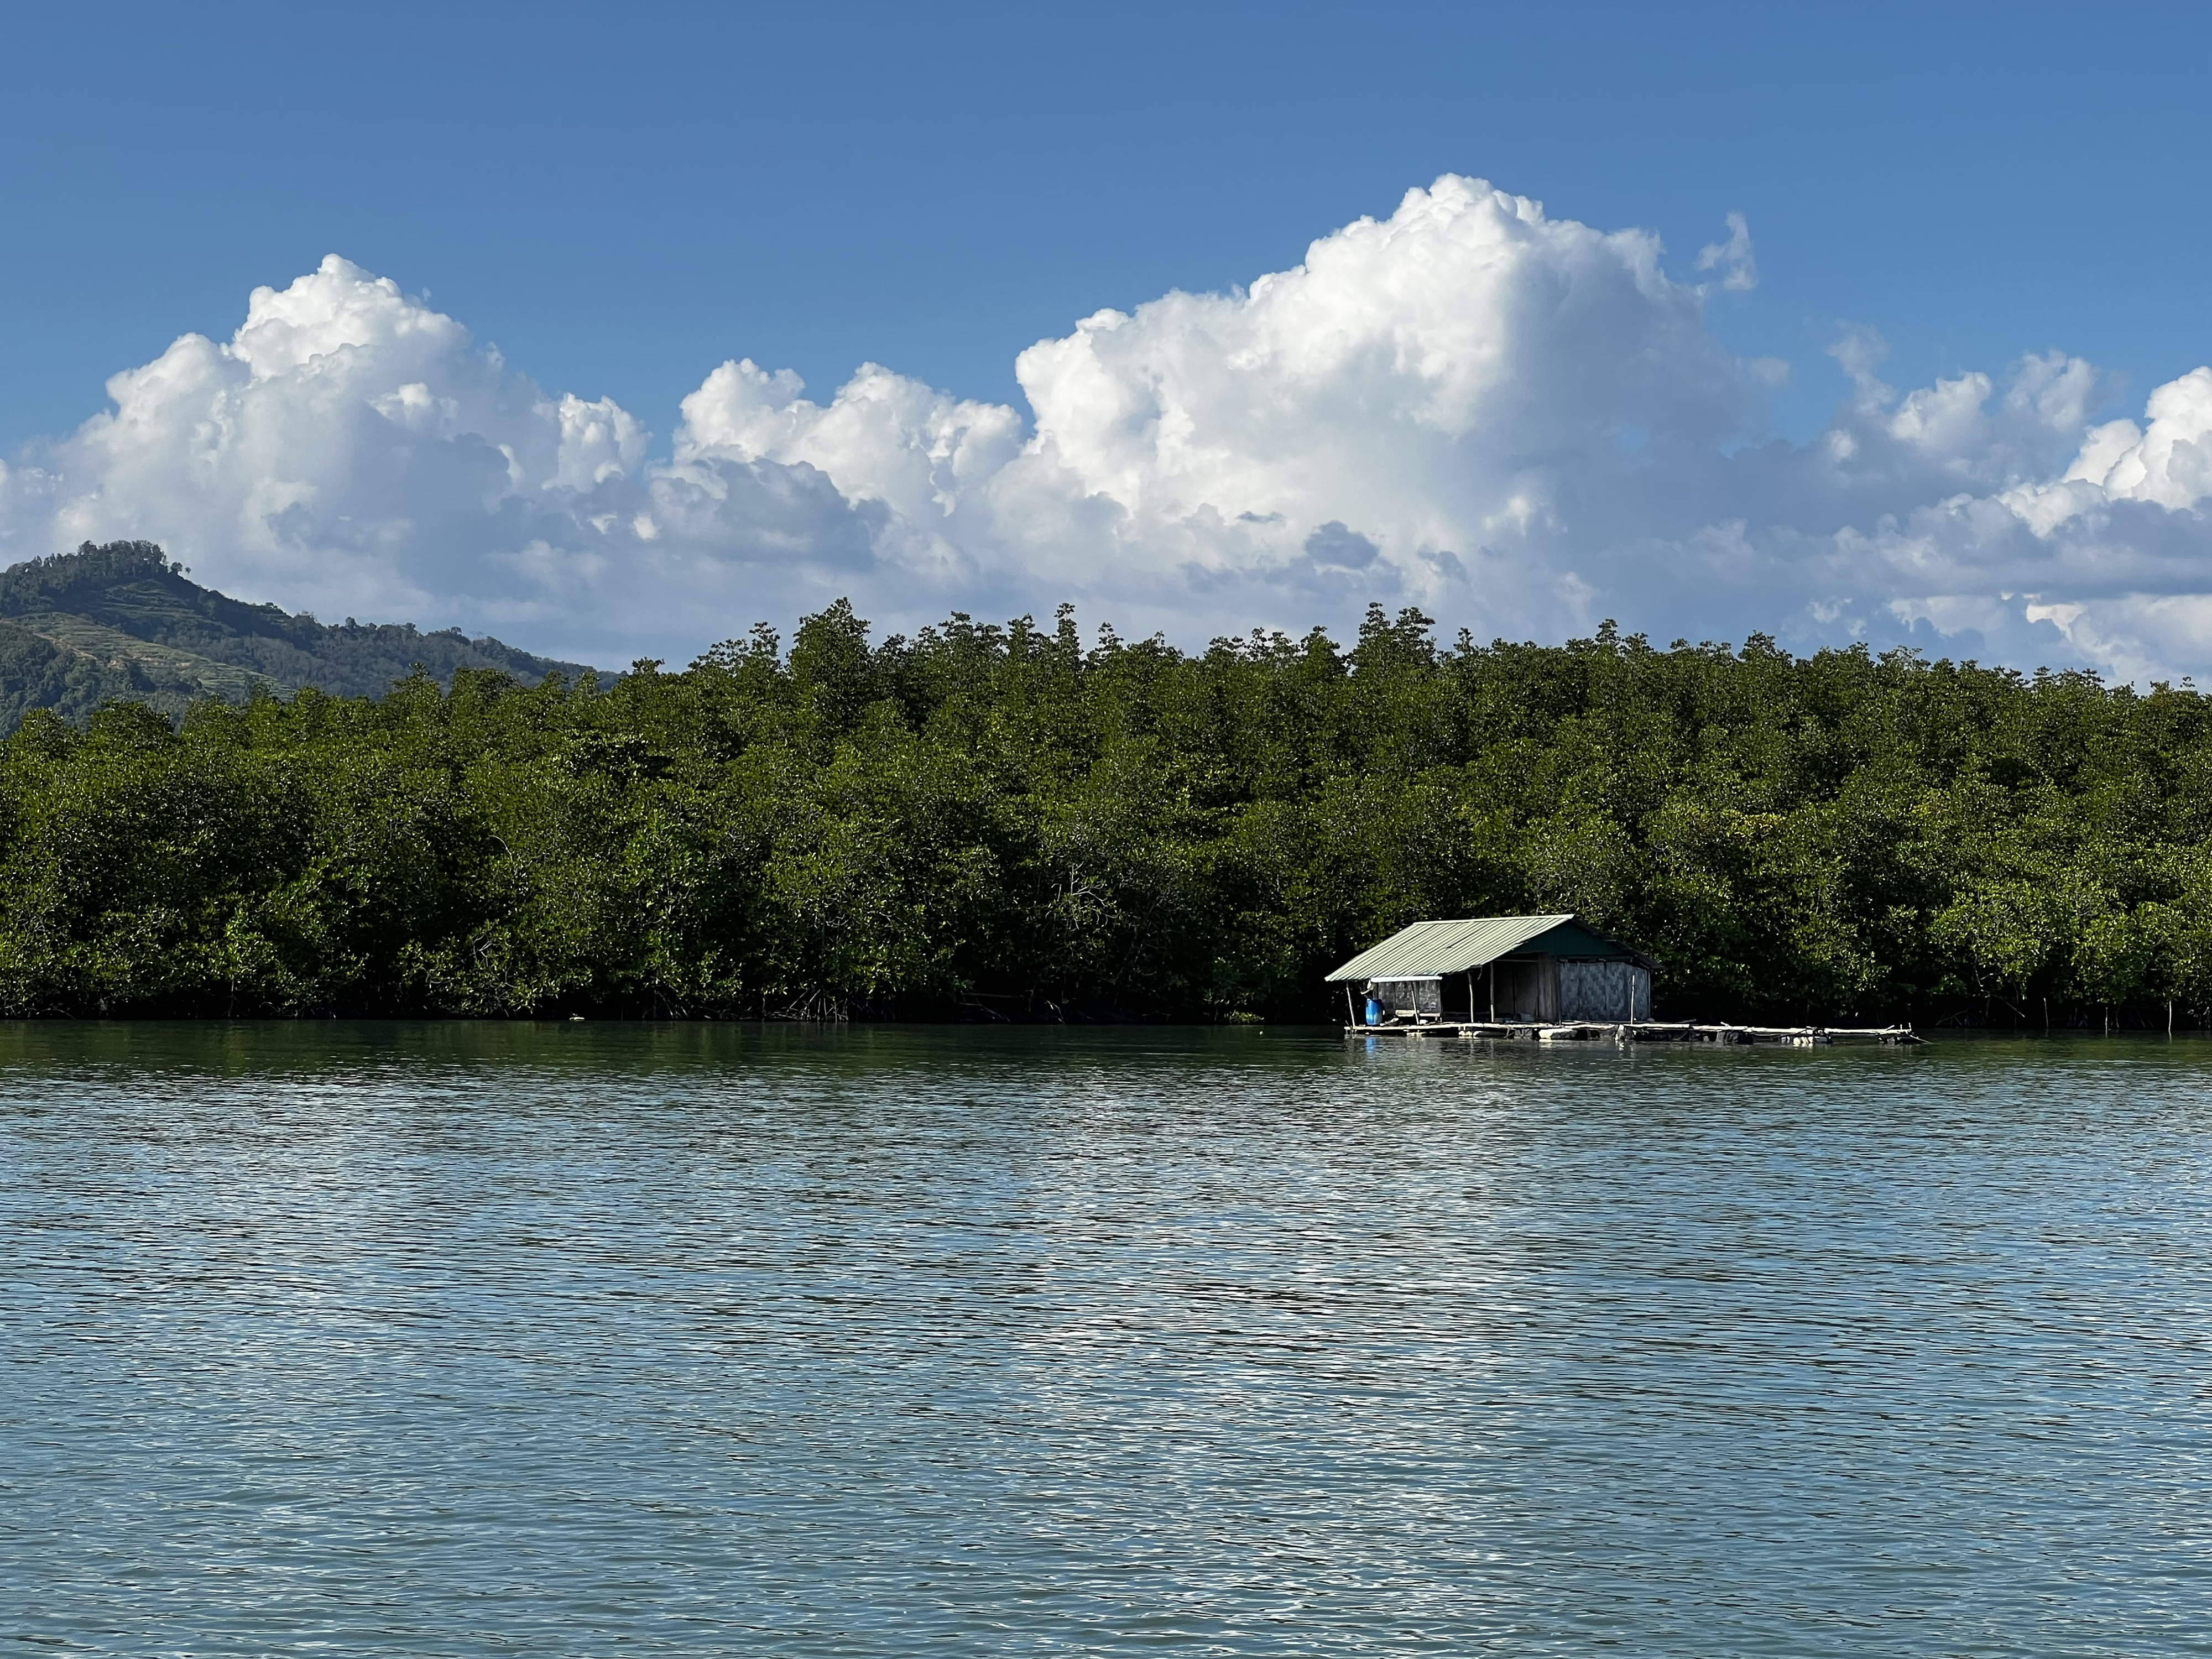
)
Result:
{"points": [[592, 1340]]}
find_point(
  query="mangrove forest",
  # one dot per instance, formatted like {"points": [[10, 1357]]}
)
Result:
{"points": [[1028, 823]]}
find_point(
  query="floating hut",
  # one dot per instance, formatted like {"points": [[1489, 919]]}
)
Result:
{"points": [[1500, 969], [1553, 978]]}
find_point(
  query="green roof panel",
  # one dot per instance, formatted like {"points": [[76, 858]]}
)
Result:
{"points": [[1429, 949]]}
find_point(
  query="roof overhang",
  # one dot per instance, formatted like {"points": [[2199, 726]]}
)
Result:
{"points": [[1431, 950]]}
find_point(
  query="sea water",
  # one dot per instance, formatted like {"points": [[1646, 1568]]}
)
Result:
{"points": [[588, 1338]]}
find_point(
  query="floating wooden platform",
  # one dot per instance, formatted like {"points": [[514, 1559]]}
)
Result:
{"points": [[1789, 1037]]}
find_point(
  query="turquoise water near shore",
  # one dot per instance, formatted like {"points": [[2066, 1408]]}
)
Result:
{"points": [[474, 1340]]}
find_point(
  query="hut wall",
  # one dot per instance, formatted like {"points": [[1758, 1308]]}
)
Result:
{"points": [[1604, 990], [1528, 987]]}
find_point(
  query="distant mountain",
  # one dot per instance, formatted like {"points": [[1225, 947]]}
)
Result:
{"points": [[122, 621]]}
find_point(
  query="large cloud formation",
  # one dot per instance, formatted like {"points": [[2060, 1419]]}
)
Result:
{"points": [[1521, 423]]}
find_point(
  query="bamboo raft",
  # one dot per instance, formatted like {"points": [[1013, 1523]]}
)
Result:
{"points": [[1789, 1036]]}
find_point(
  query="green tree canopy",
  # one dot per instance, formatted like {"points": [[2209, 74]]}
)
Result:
{"points": [[1004, 821]]}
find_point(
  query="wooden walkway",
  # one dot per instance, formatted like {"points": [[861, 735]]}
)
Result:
{"points": [[1789, 1037]]}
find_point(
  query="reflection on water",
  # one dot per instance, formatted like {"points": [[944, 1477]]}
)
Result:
{"points": [[464, 1340]]}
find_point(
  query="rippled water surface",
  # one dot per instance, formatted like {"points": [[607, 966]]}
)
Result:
{"points": [[586, 1339]]}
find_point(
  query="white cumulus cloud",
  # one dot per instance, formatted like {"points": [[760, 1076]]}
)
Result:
{"points": [[1521, 423], [1732, 259]]}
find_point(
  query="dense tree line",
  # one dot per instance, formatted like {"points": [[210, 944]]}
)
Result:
{"points": [[1006, 820]]}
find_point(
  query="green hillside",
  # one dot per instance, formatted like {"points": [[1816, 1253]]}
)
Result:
{"points": [[122, 621]]}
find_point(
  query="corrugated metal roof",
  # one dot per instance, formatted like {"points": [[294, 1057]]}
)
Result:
{"points": [[1431, 948]]}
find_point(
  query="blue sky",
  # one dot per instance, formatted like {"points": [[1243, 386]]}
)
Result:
{"points": [[621, 200]]}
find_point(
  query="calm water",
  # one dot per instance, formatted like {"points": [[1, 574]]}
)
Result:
{"points": [[588, 1340]]}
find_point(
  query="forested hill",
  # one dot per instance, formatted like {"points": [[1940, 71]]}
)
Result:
{"points": [[122, 621], [1010, 822]]}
